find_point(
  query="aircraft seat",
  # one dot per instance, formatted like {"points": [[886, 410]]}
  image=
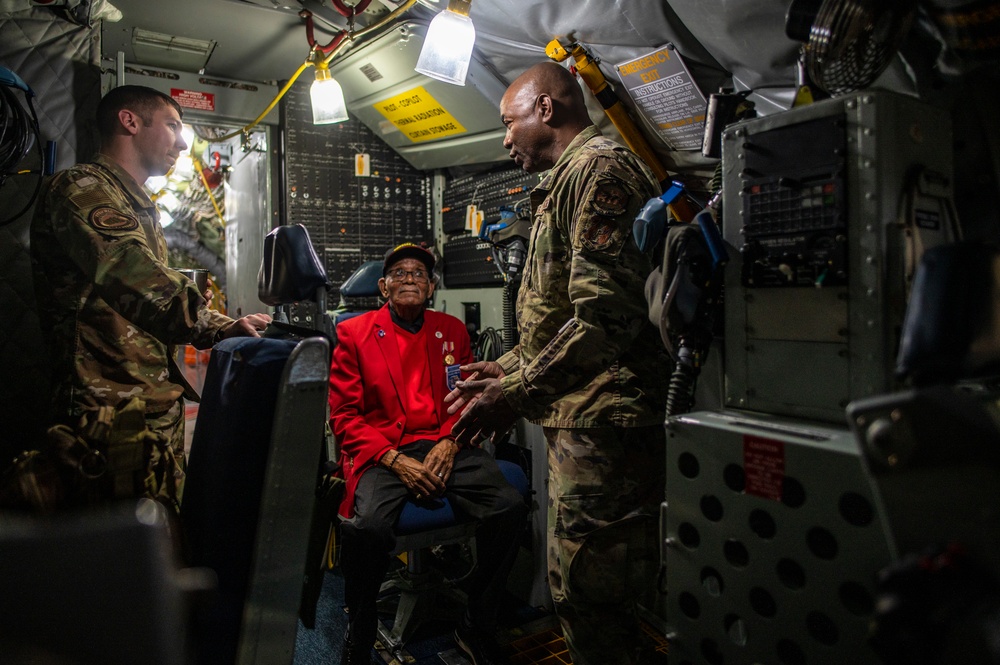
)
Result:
{"points": [[292, 279], [934, 458], [419, 528], [361, 285], [250, 509]]}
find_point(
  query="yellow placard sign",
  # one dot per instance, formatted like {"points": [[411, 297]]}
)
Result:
{"points": [[419, 116]]}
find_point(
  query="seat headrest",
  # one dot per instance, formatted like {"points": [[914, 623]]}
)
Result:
{"points": [[951, 329], [291, 271], [363, 282]]}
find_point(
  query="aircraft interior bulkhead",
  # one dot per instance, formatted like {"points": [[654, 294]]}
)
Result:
{"points": [[823, 290]]}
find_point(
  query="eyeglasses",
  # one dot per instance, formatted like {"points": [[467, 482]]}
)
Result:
{"points": [[399, 275]]}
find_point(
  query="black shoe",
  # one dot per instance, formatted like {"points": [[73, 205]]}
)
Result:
{"points": [[354, 654], [479, 647]]}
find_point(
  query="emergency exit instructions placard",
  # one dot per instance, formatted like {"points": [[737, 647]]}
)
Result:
{"points": [[662, 88], [419, 116]]}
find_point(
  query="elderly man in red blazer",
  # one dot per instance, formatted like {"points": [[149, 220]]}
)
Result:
{"points": [[391, 371]]}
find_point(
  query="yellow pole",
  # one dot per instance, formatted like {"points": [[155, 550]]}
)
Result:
{"points": [[616, 111]]}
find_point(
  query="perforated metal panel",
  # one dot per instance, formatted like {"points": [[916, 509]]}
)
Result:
{"points": [[775, 539]]}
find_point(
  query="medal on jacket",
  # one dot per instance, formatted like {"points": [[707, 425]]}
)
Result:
{"points": [[447, 349]]}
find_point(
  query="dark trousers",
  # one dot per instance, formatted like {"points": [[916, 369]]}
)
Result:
{"points": [[476, 490]]}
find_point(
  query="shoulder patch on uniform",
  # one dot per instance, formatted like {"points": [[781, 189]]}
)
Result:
{"points": [[599, 233], [109, 219], [610, 198], [91, 199]]}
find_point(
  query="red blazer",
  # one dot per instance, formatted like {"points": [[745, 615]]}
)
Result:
{"points": [[366, 414]]}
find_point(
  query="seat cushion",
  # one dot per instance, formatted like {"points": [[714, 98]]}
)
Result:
{"points": [[438, 513]]}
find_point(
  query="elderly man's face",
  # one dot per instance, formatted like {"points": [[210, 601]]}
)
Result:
{"points": [[406, 284]]}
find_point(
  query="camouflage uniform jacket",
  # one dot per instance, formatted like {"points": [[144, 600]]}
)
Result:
{"points": [[587, 356], [112, 308]]}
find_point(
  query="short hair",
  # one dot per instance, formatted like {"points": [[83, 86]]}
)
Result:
{"points": [[139, 99]]}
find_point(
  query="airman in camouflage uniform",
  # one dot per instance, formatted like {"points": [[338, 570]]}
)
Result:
{"points": [[112, 309], [589, 367]]}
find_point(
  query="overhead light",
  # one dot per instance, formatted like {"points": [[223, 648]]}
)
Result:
{"points": [[160, 50], [327, 97], [447, 48]]}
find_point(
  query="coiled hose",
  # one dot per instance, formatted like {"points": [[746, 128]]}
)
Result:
{"points": [[680, 393], [17, 130]]}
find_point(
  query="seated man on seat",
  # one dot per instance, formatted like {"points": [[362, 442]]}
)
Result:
{"points": [[391, 371]]}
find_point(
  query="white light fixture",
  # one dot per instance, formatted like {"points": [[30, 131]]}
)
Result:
{"points": [[327, 97], [160, 50], [447, 48]]}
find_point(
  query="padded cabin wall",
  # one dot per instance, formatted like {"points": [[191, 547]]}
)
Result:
{"points": [[59, 60]]}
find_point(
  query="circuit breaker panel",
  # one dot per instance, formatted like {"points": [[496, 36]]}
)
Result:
{"points": [[813, 201], [472, 200], [354, 194]]}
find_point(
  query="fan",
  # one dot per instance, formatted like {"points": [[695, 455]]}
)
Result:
{"points": [[848, 43]]}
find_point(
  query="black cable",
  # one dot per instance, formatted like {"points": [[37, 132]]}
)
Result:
{"points": [[489, 346], [17, 129]]}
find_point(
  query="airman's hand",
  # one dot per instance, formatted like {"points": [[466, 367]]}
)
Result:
{"points": [[250, 325], [459, 397], [490, 414]]}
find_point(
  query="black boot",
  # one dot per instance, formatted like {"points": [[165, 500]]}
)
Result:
{"points": [[479, 646], [355, 654]]}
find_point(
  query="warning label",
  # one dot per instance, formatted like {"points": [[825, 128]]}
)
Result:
{"points": [[662, 88], [764, 464], [192, 99], [419, 116]]}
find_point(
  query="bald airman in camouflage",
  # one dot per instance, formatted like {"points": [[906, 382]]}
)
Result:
{"points": [[588, 367], [112, 309]]}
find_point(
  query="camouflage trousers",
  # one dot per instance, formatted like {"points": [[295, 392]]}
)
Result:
{"points": [[605, 488], [165, 463], [145, 453]]}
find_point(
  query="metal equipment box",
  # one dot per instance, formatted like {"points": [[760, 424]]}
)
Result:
{"points": [[813, 199]]}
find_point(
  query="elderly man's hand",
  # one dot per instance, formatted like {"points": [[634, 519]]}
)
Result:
{"points": [[441, 458], [460, 396], [487, 416], [250, 325], [418, 477]]}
